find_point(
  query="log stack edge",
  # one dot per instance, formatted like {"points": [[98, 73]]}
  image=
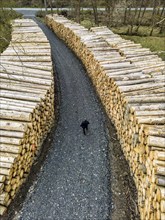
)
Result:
{"points": [[129, 80], [26, 105]]}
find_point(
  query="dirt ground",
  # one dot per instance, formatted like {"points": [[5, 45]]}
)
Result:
{"points": [[123, 190]]}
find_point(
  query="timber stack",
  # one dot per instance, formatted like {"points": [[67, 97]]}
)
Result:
{"points": [[129, 80], [26, 105]]}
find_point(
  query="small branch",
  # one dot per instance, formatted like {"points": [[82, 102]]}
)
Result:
{"points": [[160, 21]]}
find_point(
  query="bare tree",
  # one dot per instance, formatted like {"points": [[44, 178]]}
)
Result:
{"points": [[51, 6], [110, 6], [157, 16], [108, 11], [95, 12], [134, 4], [162, 14], [127, 12], [75, 9], [139, 10], [45, 4], [153, 17], [141, 14], [78, 7], [162, 22]]}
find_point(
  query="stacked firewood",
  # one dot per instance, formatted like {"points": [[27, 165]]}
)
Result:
{"points": [[129, 80], [26, 105]]}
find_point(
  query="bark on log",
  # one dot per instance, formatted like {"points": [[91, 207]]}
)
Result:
{"points": [[160, 180], [16, 134], [9, 148], [13, 125], [15, 115], [156, 141], [2, 178], [3, 209]]}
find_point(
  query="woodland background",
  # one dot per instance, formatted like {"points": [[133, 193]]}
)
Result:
{"points": [[142, 21]]}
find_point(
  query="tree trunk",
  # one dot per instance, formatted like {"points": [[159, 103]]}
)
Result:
{"points": [[108, 11], [133, 20], [45, 4], [162, 25], [125, 15], [78, 11], [51, 6], [138, 17], [153, 18], [162, 12], [94, 6], [140, 21], [129, 14]]}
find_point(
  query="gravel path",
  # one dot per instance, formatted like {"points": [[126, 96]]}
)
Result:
{"points": [[74, 180]]}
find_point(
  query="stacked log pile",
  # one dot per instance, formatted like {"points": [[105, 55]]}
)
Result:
{"points": [[129, 80], [26, 105]]}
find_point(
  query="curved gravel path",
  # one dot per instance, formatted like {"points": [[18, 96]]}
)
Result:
{"points": [[73, 183]]}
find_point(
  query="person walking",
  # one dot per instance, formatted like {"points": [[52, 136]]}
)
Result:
{"points": [[84, 126]]}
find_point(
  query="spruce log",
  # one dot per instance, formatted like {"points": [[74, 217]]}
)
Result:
{"points": [[160, 180], [15, 115], [34, 86], [11, 140], [21, 103], [21, 95], [2, 178], [6, 171], [144, 86], [21, 88], [133, 81], [148, 113], [1, 187], [162, 216], [39, 74], [145, 91], [162, 206], [152, 120], [13, 125], [4, 197], [145, 99], [144, 107], [9, 148], [160, 193], [156, 141], [159, 155], [3, 209], [159, 170], [15, 108], [17, 134], [36, 65], [8, 157], [158, 162], [5, 165], [25, 79]]}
